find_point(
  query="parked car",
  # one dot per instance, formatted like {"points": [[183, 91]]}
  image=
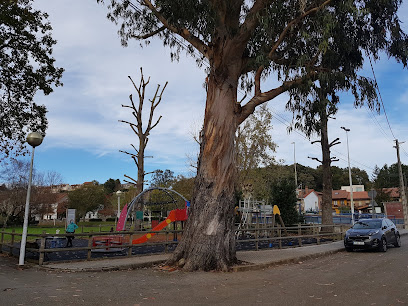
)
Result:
{"points": [[372, 234]]}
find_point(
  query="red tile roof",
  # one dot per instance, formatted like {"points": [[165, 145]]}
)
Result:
{"points": [[339, 194], [359, 195], [392, 192]]}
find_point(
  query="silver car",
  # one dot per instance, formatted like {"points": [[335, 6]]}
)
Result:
{"points": [[372, 234]]}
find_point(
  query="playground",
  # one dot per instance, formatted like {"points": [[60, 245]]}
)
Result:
{"points": [[159, 228]]}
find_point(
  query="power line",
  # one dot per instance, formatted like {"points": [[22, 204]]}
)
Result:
{"points": [[379, 93]]}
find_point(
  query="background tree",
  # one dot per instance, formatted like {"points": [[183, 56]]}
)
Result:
{"points": [[86, 198], [13, 194], [111, 185], [137, 128], [245, 41], [283, 194], [254, 145], [26, 67]]}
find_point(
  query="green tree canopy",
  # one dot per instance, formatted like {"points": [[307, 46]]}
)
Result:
{"points": [[26, 67], [283, 194], [86, 198]]}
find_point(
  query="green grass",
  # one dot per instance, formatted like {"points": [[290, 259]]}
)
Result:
{"points": [[38, 230]]}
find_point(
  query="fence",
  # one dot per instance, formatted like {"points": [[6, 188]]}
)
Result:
{"points": [[102, 244], [346, 218]]}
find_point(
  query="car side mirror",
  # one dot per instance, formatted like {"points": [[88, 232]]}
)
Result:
{"points": [[384, 227]]}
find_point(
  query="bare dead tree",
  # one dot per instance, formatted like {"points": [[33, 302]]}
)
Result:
{"points": [[137, 127]]}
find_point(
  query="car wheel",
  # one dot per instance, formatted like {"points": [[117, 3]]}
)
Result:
{"points": [[348, 249], [383, 245], [397, 243]]}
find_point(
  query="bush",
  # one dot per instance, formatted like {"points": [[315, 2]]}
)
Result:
{"points": [[95, 220]]}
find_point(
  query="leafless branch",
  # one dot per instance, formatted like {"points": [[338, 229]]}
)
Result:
{"points": [[316, 159]]}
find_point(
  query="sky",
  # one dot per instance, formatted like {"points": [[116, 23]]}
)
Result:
{"points": [[84, 135]]}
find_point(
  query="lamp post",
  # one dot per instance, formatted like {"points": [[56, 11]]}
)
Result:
{"points": [[34, 139], [351, 182], [118, 193]]}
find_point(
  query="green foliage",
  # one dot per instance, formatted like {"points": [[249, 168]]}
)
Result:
{"points": [[388, 176], [111, 185], [254, 141], [86, 198], [184, 186], [162, 178], [283, 194], [26, 67]]}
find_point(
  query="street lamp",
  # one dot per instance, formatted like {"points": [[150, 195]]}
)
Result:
{"points": [[351, 182], [34, 139], [118, 193]]}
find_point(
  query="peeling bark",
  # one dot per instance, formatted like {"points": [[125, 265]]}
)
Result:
{"points": [[209, 241]]}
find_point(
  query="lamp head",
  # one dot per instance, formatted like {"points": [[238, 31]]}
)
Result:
{"points": [[347, 130], [34, 139]]}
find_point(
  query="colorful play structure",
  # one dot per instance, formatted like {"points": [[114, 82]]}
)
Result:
{"points": [[113, 243]]}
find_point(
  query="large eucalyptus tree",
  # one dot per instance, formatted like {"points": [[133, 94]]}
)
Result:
{"points": [[244, 42]]}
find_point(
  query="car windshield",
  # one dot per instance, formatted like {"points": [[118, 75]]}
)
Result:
{"points": [[368, 224]]}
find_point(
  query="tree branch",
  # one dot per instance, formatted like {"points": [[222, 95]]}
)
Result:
{"points": [[127, 176], [183, 32], [148, 35], [294, 22], [334, 142], [260, 98], [316, 159], [251, 20]]}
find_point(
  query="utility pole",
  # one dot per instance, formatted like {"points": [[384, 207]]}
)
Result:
{"points": [[294, 162], [402, 186]]}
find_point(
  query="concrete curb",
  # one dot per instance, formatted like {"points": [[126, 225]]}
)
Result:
{"points": [[254, 267]]}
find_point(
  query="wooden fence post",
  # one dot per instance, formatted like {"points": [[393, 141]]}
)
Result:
{"points": [[166, 246], [12, 241], [42, 248], [130, 245], [1, 242], [257, 233], [300, 234], [89, 256]]}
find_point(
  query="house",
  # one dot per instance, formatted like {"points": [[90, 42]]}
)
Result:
{"points": [[50, 211], [342, 199], [310, 200]]}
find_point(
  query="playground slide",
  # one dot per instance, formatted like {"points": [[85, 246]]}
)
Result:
{"points": [[174, 215], [122, 219]]}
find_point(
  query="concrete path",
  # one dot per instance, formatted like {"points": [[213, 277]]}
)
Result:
{"points": [[252, 260]]}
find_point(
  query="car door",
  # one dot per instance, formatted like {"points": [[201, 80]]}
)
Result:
{"points": [[392, 230], [387, 231]]}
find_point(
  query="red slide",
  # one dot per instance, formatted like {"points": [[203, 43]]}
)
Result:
{"points": [[174, 215]]}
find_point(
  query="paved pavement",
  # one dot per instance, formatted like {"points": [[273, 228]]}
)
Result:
{"points": [[252, 260]]}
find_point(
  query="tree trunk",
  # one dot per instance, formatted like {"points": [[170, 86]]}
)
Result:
{"points": [[327, 217], [140, 179], [208, 241]]}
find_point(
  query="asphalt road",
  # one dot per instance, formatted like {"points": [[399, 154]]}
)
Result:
{"points": [[358, 278]]}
